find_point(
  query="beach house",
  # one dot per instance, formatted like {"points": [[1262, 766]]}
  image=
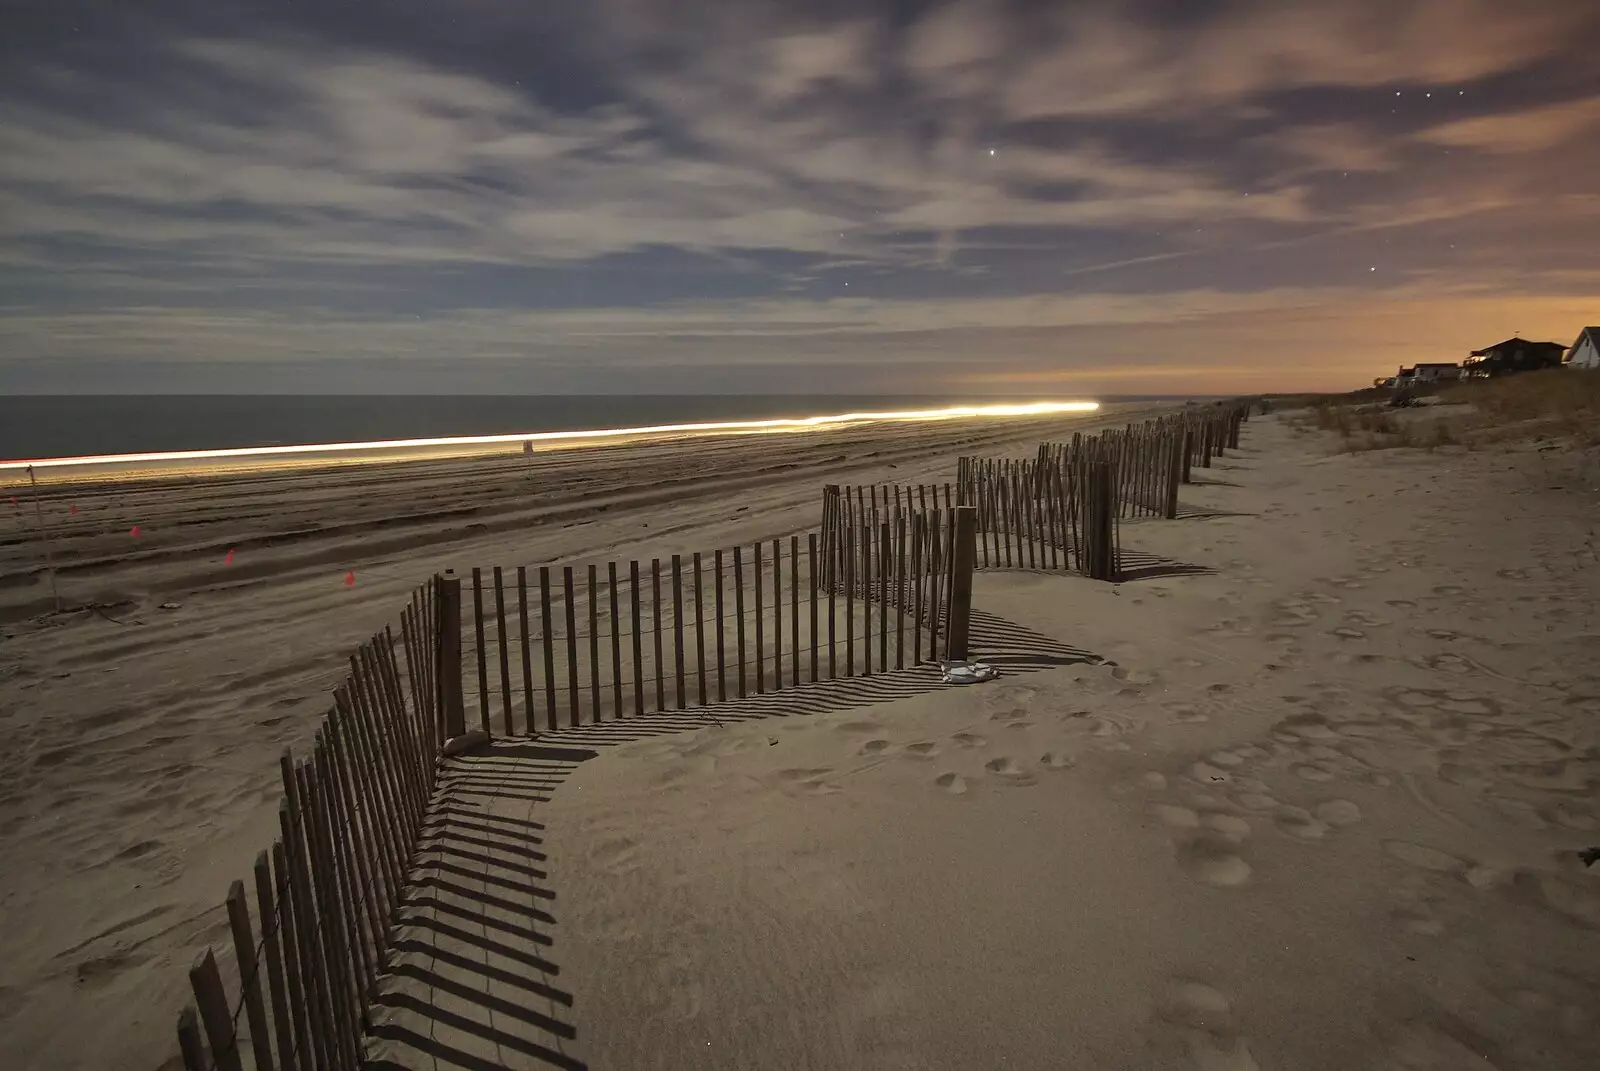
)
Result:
{"points": [[1514, 355], [1585, 352]]}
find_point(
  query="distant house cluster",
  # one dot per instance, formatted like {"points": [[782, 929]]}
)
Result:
{"points": [[1504, 358]]}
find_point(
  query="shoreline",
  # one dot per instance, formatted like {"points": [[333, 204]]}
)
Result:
{"points": [[450, 446]]}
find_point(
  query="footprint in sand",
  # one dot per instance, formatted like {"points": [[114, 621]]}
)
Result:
{"points": [[1208, 774], [970, 740], [1055, 760], [922, 749], [1313, 772], [1347, 633], [953, 783], [1300, 823], [1229, 825], [859, 727], [1338, 812], [1211, 860], [1010, 771], [810, 780], [1173, 816], [875, 747], [1204, 1016], [1256, 801]]}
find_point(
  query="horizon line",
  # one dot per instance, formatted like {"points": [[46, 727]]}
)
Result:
{"points": [[769, 424]]}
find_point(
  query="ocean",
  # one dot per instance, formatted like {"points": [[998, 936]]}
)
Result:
{"points": [[36, 427]]}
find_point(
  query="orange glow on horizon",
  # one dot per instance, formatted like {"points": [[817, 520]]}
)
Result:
{"points": [[772, 424]]}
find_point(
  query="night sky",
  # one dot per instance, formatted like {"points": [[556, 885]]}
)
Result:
{"points": [[638, 196]]}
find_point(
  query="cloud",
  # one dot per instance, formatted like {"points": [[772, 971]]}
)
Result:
{"points": [[1106, 61], [1527, 131]]}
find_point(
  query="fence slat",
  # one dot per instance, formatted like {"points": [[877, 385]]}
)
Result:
{"points": [[527, 649], [271, 948], [794, 609], [699, 629], [594, 643], [483, 660], [738, 614], [616, 642], [548, 641], [638, 639], [190, 1047], [504, 645], [677, 629], [777, 615], [212, 1001], [571, 614], [761, 659], [722, 648], [294, 970], [655, 636]]}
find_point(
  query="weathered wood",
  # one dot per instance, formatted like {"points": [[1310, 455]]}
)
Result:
{"points": [[638, 638], [503, 642], [811, 564], [677, 631], [594, 644], [296, 993], [850, 601], [319, 1026], [616, 642], [655, 611], [900, 591], [483, 659], [794, 610], [761, 655], [527, 649], [964, 558], [699, 630], [244, 951], [738, 614], [777, 615], [452, 701], [272, 953], [342, 893], [325, 895], [574, 714], [354, 819], [190, 1047], [917, 581], [722, 646], [885, 572], [212, 1001], [548, 641], [833, 591]]}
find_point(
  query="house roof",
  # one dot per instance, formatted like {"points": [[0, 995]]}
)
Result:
{"points": [[1590, 333], [1513, 342], [1439, 364]]}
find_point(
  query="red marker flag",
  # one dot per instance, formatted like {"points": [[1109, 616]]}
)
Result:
{"points": [[135, 532], [229, 559], [74, 511], [350, 579]]}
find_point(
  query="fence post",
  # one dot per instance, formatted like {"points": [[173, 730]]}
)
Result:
{"points": [[1175, 465], [452, 701], [1101, 519], [1188, 455], [963, 555]]}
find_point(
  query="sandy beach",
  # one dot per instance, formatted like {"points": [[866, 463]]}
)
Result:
{"points": [[142, 776], [1319, 807]]}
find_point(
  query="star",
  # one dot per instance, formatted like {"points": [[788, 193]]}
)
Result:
{"points": [[991, 152]]}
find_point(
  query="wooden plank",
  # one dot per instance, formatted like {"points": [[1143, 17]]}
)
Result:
{"points": [[348, 958], [294, 970], [761, 651], [811, 563], [365, 838], [935, 568], [382, 806], [699, 629], [616, 641], [738, 613], [324, 893], [900, 591], [677, 629], [483, 654], [190, 1047], [527, 648], [794, 610], [918, 534], [364, 935], [777, 615], [655, 610], [573, 711], [212, 1001], [594, 643], [958, 628], [850, 601], [548, 641], [318, 1015], [885, 573], [452, 704], [868, 593], [722, 647], [244, 951], [638, 639], [505, 648], [272, 952]]}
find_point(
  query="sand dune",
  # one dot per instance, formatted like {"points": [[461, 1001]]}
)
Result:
{"points": [[141, 774]]}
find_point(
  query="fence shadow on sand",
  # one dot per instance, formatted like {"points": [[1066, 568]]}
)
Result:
{"points": [[475, 986]]}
